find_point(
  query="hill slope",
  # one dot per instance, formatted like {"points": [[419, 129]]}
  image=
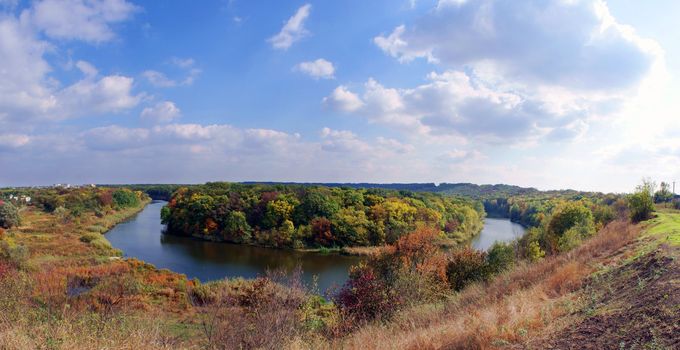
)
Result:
{"points": [[617, 289]]}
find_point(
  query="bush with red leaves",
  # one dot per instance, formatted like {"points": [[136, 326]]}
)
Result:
{"points": [[365, 296]]}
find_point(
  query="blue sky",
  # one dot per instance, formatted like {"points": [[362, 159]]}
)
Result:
{"points": [[551, 94]]}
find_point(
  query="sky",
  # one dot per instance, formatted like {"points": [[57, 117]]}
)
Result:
{"points": [[549, 94]]}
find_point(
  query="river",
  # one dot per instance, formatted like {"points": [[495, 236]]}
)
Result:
{"points": [[141, 237], [502, 230]]}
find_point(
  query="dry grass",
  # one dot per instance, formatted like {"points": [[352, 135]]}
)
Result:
{"points": [[69, 294], [510, 310]]}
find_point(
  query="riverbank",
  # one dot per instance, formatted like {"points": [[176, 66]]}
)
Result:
{"points": [[617, 289], [60, 290]]}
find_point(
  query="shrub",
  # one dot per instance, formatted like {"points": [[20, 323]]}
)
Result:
{"points": [[534, 251], [90, 236], [101, 243], [501, 256], [365, 296], [569, 240], [2, 233], [676, 204], [62, 214], [466, 266], [16, 255], [641, 202], [414, 248], [569, 215], [9, 215]]}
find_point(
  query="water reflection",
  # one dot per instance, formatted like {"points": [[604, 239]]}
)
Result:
{"points": [[141, 238]]}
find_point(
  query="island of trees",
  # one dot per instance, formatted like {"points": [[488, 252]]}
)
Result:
{"points": [[295, 216]]}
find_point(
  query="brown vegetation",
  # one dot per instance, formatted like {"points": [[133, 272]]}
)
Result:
{"points": [[514, 308]]}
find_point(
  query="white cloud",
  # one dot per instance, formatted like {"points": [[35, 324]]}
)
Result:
{"points": [[86, 20], [457, 104], [343, 100], [24, 89], [113, 137], [293, 30], [187, 67], [317, 69], [27, 91], [110, 94], [342, 141], [574, 44], [161, 112], [517, 73]]}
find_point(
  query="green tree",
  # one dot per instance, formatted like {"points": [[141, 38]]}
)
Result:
{"points": [[568, 215], [501, 256], [664, 193], [534, 251], [125, 198], [236, 228], [641, 202], [9, 215], [351, 227]]}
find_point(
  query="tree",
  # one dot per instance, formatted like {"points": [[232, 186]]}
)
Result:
{"points": [[9, 215], [125, 198], [236, 227], [501, 256], [664, 193], [569, 215], [641, 202], [465, 266], [534, 251]]}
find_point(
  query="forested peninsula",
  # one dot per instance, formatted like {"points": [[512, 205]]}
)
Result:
{"points": [[295, 216]]}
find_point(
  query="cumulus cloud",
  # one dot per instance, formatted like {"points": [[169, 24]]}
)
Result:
{"points": [[161, 112], [24, 90], [110, 94], [343, 100], [27, 91], [509, 72], [293, 31], [342, 141], [317, 69], [517, 41], [457, 104], [86, 20]]}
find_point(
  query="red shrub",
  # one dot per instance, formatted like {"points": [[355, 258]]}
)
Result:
{"points": [[365, 297], [105, 198]]}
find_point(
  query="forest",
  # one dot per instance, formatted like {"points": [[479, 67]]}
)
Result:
{"points": [[300, 216]]}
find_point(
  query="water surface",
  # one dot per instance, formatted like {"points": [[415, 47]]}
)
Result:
{"points": [[502, 230], [141, 237]]}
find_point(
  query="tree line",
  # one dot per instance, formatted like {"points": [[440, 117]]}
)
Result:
{"points": [[315, 216]]}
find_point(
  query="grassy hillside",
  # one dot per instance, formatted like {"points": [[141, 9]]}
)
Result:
{"points": [[618, 290]]}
